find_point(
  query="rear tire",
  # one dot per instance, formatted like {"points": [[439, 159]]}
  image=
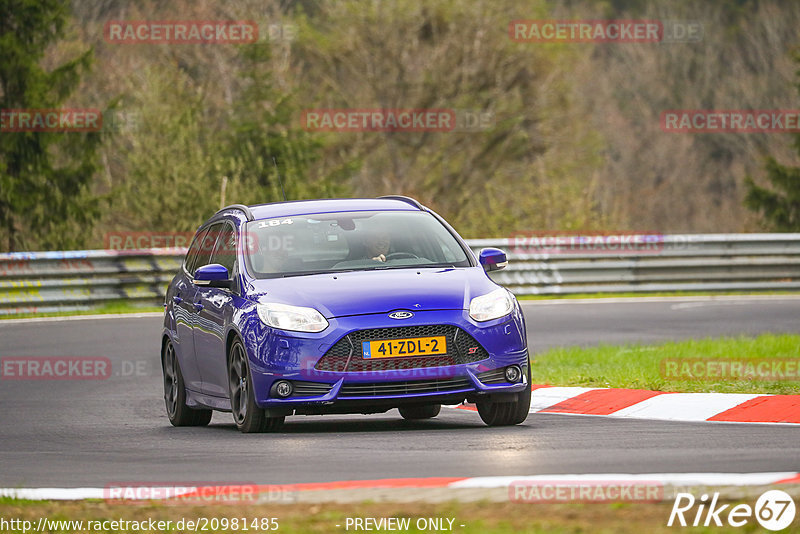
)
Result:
{"points": [[249, 418], [427, 411], [507, 413], [175, 393]]}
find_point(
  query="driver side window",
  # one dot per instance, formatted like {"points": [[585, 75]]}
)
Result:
{"points": [[225, 249], [207, 243], [194, 249]]}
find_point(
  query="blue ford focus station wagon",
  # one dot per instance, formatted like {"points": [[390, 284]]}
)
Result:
{"points": [[339, 306]]}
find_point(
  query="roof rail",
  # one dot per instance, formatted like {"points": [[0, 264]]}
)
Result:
{"points": [[240, 207], [407, 200]]}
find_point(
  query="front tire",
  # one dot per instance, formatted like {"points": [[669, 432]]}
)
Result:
{"points": [[175, 393], [507, 413], [249, 418], [427, 411]]}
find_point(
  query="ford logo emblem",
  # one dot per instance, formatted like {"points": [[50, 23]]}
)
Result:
{"points": [[401, 315]]}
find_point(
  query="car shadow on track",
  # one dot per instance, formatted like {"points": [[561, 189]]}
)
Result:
{"points": [[352, 424]]}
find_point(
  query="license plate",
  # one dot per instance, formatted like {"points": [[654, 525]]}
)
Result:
{"points": [[399, 348]]}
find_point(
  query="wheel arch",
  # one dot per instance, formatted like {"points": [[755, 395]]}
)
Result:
{"points": [[229, 338], [164, 340]]}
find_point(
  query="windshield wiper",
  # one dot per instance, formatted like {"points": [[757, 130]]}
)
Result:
{"points": [[304, 273], [423, 266], [375, 268]]}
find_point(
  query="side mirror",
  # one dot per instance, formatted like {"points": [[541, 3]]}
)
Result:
{"points": [[212, 275], [492, 259]]}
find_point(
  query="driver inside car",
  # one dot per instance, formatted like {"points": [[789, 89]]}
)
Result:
{"points": [[377, 245]]}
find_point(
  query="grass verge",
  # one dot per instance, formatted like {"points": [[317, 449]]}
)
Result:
{"points": [[476, 518], [644, 366]]}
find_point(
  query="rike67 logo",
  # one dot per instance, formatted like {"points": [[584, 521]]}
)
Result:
{"points": [[774, 510]]}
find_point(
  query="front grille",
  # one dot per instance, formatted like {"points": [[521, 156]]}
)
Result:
{"points": [[378, 389], [346, 354], [310, 389], [495, 376]]}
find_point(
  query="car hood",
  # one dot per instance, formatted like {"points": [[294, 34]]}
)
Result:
{"points": [[382, 291]]}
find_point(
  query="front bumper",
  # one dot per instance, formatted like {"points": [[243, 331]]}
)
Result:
{"points": [[459, 381], [290, 356]]}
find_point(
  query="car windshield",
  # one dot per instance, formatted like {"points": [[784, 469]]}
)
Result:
{"points": [[351, 241]]}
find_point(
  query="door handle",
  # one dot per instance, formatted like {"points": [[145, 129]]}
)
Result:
{"points": [[176, 299], [198, 306]]}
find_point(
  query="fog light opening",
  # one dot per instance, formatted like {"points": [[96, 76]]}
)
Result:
{"points": [[513, 374], [283, 388]]}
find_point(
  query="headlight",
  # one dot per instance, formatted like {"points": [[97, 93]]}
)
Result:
{"points": [[295, 318], [492, 305]]}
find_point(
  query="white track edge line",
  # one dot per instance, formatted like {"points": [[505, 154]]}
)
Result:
{"points": [[134, 315], [485, 482]]}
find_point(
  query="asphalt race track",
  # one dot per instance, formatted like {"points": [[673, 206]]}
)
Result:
{"points": [[99, 432]]}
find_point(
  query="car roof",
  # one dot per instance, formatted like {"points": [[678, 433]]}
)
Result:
{"points": [[306, 207]]}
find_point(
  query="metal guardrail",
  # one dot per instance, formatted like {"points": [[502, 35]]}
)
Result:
{"points": [[694, 262], [32, 282], [37, 282]]}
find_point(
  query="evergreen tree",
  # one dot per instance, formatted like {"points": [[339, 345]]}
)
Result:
{"points": [[779, 205], [44, 176]]}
